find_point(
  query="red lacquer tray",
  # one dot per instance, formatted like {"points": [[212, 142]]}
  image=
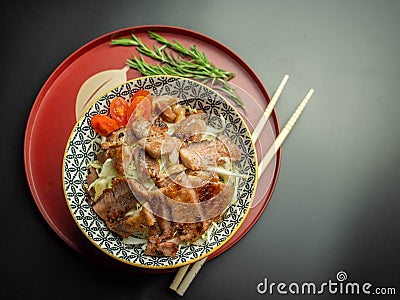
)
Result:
{"points": [[53, 116]]}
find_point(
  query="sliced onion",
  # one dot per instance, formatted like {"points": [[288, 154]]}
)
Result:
{"points": [[223, 171]]}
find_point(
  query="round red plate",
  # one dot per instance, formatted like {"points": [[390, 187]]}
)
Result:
{"points": [[53, 116]]}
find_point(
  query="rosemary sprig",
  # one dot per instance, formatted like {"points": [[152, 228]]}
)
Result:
{"points": [[198, 65], [190, 63], [148, 69], [197, 56]]}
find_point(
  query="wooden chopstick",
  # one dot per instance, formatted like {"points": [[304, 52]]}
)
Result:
{"points": [[179, 277], [284, 133], [183, 286], [268, 110], [181, 283]]}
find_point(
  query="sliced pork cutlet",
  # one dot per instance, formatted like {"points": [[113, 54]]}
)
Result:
{"points": [[227, 148], [140, 192], [161, 242], [163, 106], [158, 142], [129, 225], [191, 232], [115, 153], [140, 127], [202, 176], [158, 206], [156, 133], [212, 195], [179, 111], [133, 224], [115, 138], [183, 202], [90, 178], [146, 166], [117, 159], [164, 179], [153, 141], [215, 197], [200, 155], [200, 207], [156, 247], [195, 179], [102, 156], [116, 201], [161, 229], [169, 109], [185, 212], [192, 128]]}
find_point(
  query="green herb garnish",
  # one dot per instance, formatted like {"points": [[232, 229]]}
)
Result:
{"points": [[187, 63]]}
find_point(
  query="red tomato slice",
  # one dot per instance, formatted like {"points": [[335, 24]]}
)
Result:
{"points": [[119, 110], [135, 101], [143, 109], [141, 93], [103, 125], [137, 97]]}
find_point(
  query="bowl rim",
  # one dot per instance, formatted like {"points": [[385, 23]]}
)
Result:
{"points": [[189, 261]]}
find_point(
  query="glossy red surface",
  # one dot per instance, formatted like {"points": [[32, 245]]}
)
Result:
{"points": [[47, 129]]}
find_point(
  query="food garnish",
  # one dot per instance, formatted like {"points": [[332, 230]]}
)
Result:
{"points": [[103, 124], [121, 111], [178, 61]]}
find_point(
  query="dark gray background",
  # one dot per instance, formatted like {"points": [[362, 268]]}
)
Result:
{"points": [[336, 205]]}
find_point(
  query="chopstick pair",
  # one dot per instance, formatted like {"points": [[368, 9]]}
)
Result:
{"points": [[181, 282]]}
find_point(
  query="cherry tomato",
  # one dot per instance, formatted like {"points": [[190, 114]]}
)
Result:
{"points": [[143, 109], [134, 104], [103, 124], [137, 98], [141, 93], [119, 110]]}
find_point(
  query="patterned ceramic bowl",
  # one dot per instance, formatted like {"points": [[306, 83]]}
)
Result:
{"points": [[81, 150]]}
